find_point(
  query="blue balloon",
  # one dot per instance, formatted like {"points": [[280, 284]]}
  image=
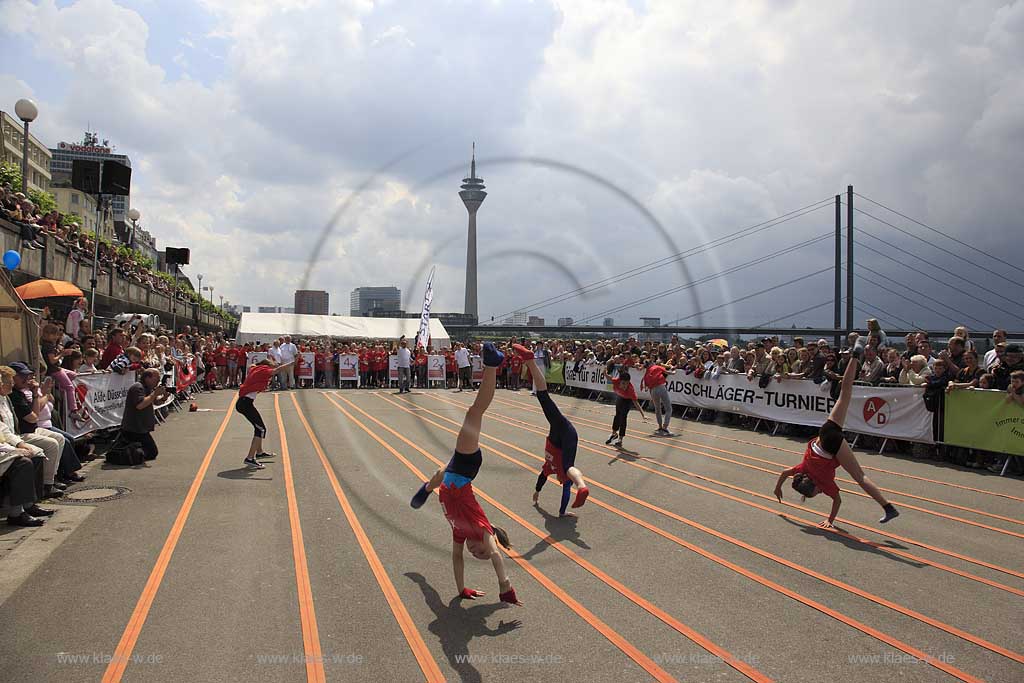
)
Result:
{"points": [[12, 259]]}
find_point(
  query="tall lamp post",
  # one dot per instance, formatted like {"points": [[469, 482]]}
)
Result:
{"points": [[134, 216], [27, 112]]}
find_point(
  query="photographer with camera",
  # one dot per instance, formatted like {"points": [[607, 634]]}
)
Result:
{"points": [[139, 418]]}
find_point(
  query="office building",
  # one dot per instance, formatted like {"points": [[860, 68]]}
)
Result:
{"points": [[535, 321], [275, 309], [565, 322], [609, 322], [90, 149], [12, 139], [312, 302], [367, 299]]}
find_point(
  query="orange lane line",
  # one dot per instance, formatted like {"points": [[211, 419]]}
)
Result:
{"points": [[419, 648], [601, 627], [856, 492], [1010, 654], [518, 423], [122, 654], [800, 453], [307, 612]]}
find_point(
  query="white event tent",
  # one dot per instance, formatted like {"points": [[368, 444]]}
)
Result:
{"points": [[266, 327]]}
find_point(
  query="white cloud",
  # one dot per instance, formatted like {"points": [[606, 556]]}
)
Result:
{"points": [[714, 118]]}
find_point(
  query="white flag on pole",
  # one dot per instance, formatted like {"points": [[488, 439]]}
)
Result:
{"points": [[428, 297]]}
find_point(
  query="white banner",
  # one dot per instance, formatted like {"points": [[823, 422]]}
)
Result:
{"points": [[304, 365], [392, 368], [102, 395], [887, 412], [423, 336], [435, 369], [478, 368], [348, 368], [254, 357]]}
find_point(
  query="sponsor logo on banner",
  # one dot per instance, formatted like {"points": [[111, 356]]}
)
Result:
{"points": [[103, 396], [304, 365], [876, 412], [435, 369], [348, 368]]}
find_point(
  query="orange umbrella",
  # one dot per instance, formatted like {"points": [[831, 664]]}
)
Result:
{"points": [[40, 289], [719, 342]]}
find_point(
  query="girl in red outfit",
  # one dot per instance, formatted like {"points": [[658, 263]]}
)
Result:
{"points": [[817, 473], [470, 527], [256, 382], [625, 399]]}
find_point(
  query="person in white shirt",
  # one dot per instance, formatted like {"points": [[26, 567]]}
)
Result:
{"points": [[998, 337], [37, 443], [465, 367], [288, 353], [404, 366]]}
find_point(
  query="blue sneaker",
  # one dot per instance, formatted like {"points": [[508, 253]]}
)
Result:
{"points": [[492, 356]]}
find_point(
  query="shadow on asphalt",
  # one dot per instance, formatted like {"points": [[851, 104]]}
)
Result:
{"points": [[559, 529], [242, 473], [854, 544], [624, 454], [455, 626]]}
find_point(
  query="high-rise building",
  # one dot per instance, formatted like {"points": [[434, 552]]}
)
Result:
{"points": [[312, 301], [650, 322], [535, 321], [366, 299], [565, 322], [274, 309], [12, 139], [520, 318], [609, 322], [473, 196], [90, 149]]}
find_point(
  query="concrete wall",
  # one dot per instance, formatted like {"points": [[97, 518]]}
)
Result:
{"points": [[114, 294]]}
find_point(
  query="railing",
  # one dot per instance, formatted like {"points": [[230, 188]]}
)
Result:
{"points": [[113, 291]]}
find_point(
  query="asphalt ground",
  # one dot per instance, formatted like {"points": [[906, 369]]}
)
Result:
{"points": [[681, 565]]}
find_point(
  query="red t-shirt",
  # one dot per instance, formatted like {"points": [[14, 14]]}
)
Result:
{"points": [[364, 361], [220, 356], [256, 380], [515, 362], [320, 360], [449, 362], [623, 389], [553, 461], [109, 354], [464, 513], [821, 470], [421, 359], [654, 377]]}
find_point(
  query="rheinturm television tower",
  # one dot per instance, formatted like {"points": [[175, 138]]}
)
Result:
{"points": [[472, 196]]}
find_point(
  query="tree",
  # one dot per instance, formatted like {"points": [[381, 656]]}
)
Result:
{"points": [[10, 174], [44, 201]]}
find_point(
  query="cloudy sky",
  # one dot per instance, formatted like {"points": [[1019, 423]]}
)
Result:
{"points": [[280, 138]]}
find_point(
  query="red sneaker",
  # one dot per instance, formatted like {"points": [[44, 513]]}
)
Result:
{"points": [[522, 352], [581, 497]]}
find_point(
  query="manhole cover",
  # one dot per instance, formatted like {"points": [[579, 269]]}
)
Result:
{"points": [[94, 494]]}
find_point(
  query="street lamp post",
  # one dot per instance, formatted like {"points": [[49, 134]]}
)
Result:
{"points": [[27, 112], [134, 215]]}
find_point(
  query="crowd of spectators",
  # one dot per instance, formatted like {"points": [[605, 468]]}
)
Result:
{"points": [[39, 459], [81, 246]]}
